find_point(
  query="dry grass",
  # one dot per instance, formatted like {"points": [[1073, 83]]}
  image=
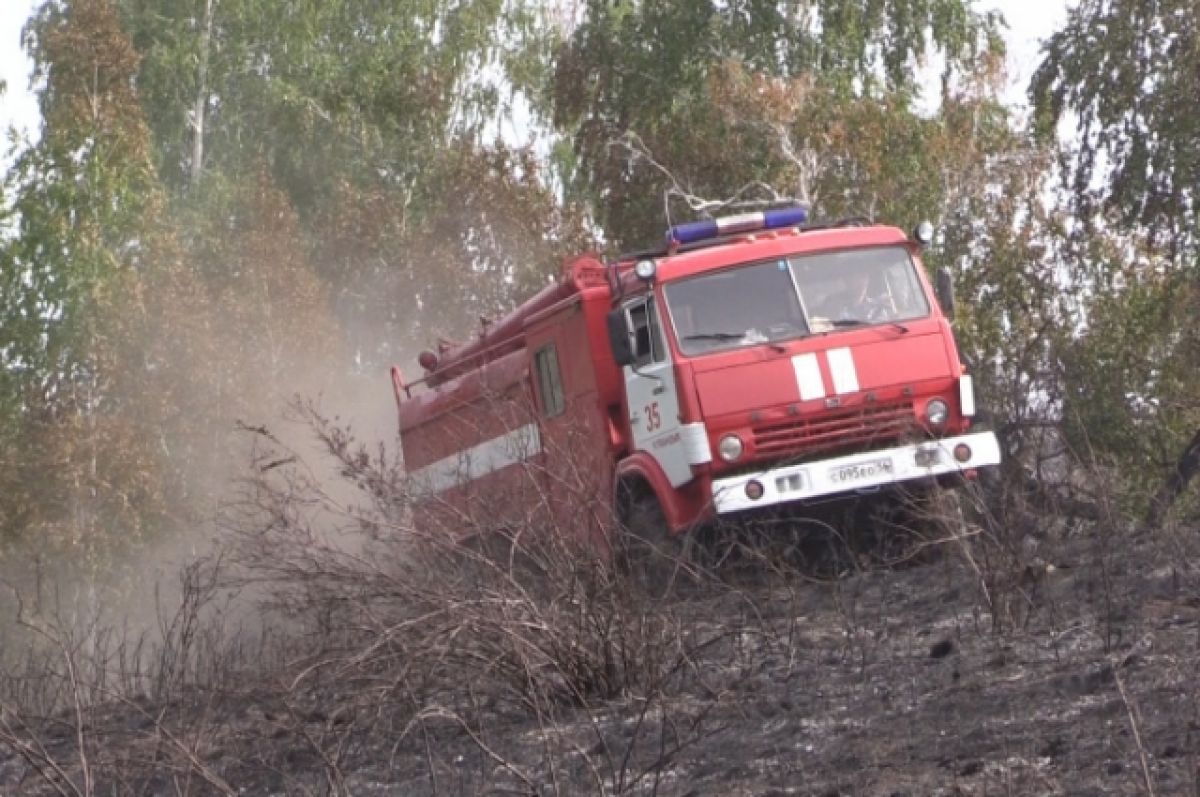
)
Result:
{"points": [[330, 636], [375, 627]]}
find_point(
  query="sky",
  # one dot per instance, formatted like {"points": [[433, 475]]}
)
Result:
{"points": [[1029, 22], [17, 106]]}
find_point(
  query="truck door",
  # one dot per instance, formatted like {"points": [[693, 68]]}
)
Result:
{"points": [[650, 390], [576, 465]]}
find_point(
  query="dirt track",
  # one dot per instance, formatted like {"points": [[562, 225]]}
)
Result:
{"points": [[887, 682]]}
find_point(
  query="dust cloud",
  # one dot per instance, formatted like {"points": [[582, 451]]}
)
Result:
{"points": [[218, 412]]}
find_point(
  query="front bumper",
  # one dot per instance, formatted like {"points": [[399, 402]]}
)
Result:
{"points": [[846, 474]]}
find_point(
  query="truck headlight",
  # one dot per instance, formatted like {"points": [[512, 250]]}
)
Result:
{"points": [[937, 412], [730, 447]]}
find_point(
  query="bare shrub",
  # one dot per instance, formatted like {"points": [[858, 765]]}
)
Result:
{"points": [[415, 626], [85, 704], [537, 609], [352, 618]]}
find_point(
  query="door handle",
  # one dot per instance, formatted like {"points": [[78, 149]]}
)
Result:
{"points": [[635, 419]]}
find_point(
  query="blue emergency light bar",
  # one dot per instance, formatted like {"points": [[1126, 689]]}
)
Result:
{"points": [[727, 225]]}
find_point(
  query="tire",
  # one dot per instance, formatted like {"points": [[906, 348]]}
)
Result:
{"points": [[652, 556]]}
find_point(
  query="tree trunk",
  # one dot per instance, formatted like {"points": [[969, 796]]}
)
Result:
{"points": [[1187, 467], [201, 94]]}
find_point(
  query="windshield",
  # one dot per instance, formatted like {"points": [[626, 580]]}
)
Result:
{"points": [[787, 298]]}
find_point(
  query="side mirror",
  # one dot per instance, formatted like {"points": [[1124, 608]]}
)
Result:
{"points": [[618, 338], [944, 287]]}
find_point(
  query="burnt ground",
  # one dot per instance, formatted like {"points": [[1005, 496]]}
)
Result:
{"points": [[1068, 670]]}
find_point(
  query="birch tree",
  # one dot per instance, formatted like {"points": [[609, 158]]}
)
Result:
{"points": [[84, 199], [1125, 76]]}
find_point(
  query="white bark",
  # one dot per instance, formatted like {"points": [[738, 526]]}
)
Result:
{"points": [[201, 93]]}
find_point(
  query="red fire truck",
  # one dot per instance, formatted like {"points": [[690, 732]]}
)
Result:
{"points": [[754, 363]]}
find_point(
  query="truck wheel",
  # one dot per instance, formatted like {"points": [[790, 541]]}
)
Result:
{"points": [[650, 554]]}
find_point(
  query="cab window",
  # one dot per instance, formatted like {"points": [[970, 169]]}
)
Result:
{"points": [[647, 337], [549, 380]]}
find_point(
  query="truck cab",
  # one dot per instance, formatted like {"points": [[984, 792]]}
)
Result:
{"points": [[769, 365]]}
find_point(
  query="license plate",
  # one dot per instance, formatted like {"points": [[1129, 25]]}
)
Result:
{"points": [[861, 471]]}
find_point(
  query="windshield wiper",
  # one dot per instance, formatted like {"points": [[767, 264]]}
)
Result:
{"points": [[857, 322], [715, 336]]}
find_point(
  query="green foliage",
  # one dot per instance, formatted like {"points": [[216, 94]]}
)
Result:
{"points": [[1017, 308], [83, 201], [1130, 377], [79, 200], [363, 115], [318, 91], [1128, 72], [130, 349], [667, 72]]}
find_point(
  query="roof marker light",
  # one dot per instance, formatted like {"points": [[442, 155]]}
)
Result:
{"points": [[923, 232], [645, 269], [728, 225]]}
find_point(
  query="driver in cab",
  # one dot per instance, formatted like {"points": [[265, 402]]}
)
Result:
{"points": [[860, 300]]}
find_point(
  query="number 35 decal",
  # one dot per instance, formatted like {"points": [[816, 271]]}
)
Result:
{"points": [[653, 419]]}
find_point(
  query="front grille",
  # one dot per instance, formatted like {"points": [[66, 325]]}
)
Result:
{"points": [[846, 429]]}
